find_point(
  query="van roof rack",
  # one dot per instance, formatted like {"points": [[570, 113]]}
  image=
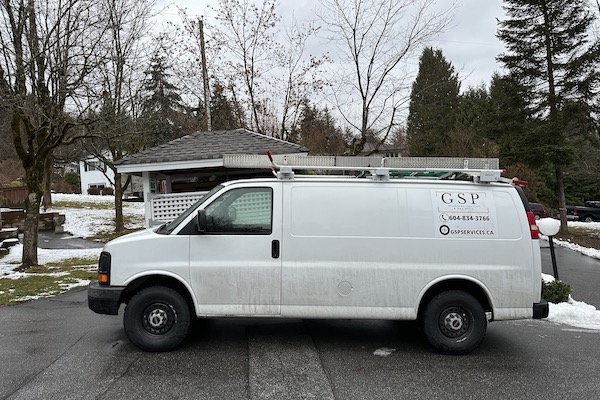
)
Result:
{"points": [[381, 169]]}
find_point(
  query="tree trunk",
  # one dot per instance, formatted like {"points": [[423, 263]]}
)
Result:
{"points": [[562, 203], [34, 178], [47, 198], [119, 189], [30, 230]]}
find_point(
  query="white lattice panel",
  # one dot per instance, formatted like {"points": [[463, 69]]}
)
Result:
{"points": [[167, 207], [253, 207]]}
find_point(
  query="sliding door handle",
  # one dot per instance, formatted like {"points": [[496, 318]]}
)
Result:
{"points": [[275, 249]]}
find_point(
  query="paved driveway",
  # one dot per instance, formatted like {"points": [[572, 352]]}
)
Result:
{"points": [[58, 349]]}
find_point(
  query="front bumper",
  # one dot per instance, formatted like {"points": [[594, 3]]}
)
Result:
{"points": [[104, 299], [541, 309]]}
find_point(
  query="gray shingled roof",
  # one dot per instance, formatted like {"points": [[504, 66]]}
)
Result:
{"points": [[212, 145]]}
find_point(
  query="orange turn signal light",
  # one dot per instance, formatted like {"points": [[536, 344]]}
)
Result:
{"points": [[103, 278]]}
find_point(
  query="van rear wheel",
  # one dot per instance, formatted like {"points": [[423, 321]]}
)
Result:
{"points": [[454, 322], [157, 319]]}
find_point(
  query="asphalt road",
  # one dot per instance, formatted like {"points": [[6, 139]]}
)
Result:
{"points": [[579, 271], [58, 349]]}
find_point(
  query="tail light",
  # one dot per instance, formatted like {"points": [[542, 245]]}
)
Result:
{"points": [[533, 228]]}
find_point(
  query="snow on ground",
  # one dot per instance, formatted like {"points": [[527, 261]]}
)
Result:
{"points": [[86, 222], [98, 215], [595, 253], [572, 312], [9, 262]]}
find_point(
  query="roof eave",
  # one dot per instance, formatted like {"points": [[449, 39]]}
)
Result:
{"points": [[169, 166]]}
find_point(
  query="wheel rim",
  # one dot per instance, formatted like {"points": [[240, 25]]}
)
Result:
{"points": [[158, 318], [454, 322]]}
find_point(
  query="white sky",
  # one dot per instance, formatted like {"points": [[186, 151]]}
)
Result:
{"points": [[469, 43]]}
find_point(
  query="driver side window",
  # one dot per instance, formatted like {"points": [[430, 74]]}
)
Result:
{"points": [[241, 211]]}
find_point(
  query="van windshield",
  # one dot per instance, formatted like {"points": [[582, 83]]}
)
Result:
{"points": [[167, 228]]}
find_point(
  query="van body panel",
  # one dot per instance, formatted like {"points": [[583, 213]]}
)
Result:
{"points": [[362, 245], [338, 248], [235, 273], [138, 253], [344, 245]]}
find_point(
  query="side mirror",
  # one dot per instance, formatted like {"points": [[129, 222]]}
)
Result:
{"points": [[201, 220]]}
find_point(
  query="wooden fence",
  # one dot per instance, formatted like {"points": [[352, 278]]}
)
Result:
{"points": [[13, 196]]}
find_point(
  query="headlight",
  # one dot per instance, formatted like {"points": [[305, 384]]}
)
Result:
{"points": [[104, 268]]}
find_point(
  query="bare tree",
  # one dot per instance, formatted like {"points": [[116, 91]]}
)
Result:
{"points": [[251, 61], [48, 49], [376, 38], [116, 90], [298, 79], [247, 32], [185, 42]]}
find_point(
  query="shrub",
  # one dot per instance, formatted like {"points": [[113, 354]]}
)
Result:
{"points": [[63, 187], [556, 291], [71, 178], [94, 191], [108, 191]]}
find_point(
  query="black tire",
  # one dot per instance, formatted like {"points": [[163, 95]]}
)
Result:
{"points": [[157, 319], [454, 322], [588, 218]]}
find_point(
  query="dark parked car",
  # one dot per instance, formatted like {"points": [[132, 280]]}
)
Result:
{"points": [[589, 212], [538, 210]]}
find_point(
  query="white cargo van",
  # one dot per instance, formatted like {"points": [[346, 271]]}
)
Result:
{"points": [[452, 254]]}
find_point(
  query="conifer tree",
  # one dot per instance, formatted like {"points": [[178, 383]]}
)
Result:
{"points": [[225, 113], [554, 59], [433, 105], [468, 137], [509, 123], [162, 105], [318, 132]]}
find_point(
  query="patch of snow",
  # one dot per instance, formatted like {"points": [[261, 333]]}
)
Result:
{"points": [[29, 298], [79, 283], [12, 260], [575, 313], [595, 253], [89, 221], [383, 352]]}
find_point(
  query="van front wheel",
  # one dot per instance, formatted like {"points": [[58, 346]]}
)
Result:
{"points": [[157, 319], [454, 322]]}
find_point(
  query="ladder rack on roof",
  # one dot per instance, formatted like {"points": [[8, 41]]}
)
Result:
{"points": [[381, 169]]}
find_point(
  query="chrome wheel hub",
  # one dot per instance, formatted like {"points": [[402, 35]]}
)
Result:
{"points": [[454, 322], [159, 318]]}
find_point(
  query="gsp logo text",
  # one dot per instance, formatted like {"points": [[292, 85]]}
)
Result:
{"points": [[460, 198]]}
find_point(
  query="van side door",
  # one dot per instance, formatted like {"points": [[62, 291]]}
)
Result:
{"points": [[235, 265]]}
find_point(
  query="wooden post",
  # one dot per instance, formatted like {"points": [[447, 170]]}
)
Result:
{"points": [[205, 79], [147, 198]]}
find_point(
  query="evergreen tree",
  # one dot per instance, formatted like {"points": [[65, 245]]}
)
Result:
{"points": [[433, 105], [468, 138], [162, 107], [225, 113], [318, 132], [508, 121], [554, 62]]}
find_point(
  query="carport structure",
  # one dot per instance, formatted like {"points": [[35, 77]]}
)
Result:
{"points": [[189, 166]]}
